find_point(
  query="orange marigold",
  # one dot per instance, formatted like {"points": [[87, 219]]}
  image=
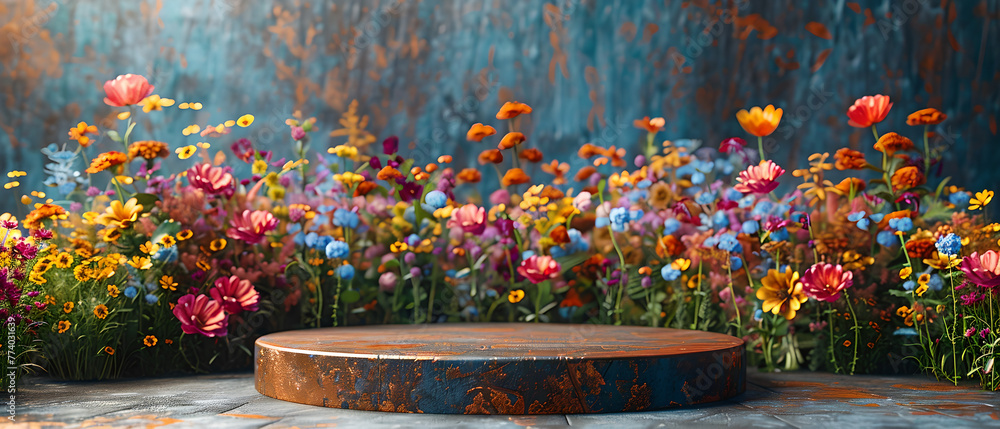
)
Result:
{"points": [[889, 143], [906, 178], [515, 176], [845, 185], [928, 116], [490, 156], [41, 212], [849, 159], [470, 175], [106, 160], [510, 140], [479, 131], [388, 173], [364, 188], [512, 109], [588, 151], [560, 235], [531, 155], [148, 149]]}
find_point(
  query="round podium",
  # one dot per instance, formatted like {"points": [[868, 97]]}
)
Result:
{"points": [[500, 368]]}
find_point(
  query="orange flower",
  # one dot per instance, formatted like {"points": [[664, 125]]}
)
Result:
{"points": [[106, 160], [79, 133], [512, 109], [650, 125], [617, 156], [848, 159], [510, 140], [490, 156], [560, 235], [588, 150], [364, 188], [514, 176], [759, 122], [479, 131], [531, 155], [899, 214], [845, 185], [470, 175], [906, 178], [388, 173], [868, 110], [42, 212], [889, 143], [148, 149], [556, 169], [584, 173], [928, 116]]}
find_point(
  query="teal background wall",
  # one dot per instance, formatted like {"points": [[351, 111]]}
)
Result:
{"points": [[426, 70]]}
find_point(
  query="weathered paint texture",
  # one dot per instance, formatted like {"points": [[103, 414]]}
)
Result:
{"points": [[426, 70], [503, 368]]}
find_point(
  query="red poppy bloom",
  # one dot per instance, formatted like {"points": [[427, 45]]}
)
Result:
{"points": [[126, 90], [868, 110]]}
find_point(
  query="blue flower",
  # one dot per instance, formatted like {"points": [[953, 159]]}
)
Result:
{"points": [[762, 208], [337, 249], [735, 263], [131, 292], [671, 225], [950, 244], [887, 239], [345, 272], [750, 226], [729, 243], [720, 220], [345, 218], [619, 218], [166, 255], [863, 224], [936, 283], [902, 224], [705, 198], [151, 299], [436, 199], [909, 285], [758, 315], [855, 216], [710, 241], [905, 331], [780, 235], [960, 199], [733, 195], [634, 215], [697, 178], [669, 273], [527, 254], [643, 184]]}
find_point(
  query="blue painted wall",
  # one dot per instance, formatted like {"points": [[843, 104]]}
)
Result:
{"points": [[426, 70]]}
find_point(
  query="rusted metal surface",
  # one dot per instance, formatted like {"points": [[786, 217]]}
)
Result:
{"points": [[500, 368]]}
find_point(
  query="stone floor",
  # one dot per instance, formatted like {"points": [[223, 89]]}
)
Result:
{"points": [[800, 399]]}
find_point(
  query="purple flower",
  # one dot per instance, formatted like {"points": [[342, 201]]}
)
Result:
{"points": [[390, 145], [298, 133]]}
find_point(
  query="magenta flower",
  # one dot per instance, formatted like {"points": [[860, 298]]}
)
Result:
{"points": [[470, 218], [538, 269], [211, 180], [250, 226], [759, 179], [201, 315], [824, 282], [235, 294], [983, 270]]}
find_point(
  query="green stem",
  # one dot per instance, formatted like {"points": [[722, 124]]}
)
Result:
{"points": [[927, 153], [760, 147], [833, 354], [732, 293], [854, 317], [697, 306]]}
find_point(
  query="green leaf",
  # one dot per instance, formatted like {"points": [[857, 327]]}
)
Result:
{"points": [[114, 136], [350, 296], [940, 188], [147, 200]]}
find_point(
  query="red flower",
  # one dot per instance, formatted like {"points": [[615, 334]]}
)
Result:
{"points": [[211, 180], [250, 226], [732, 145], [126, 90], [201, 315], [868, 110], [759, 179], [824, 282], [235, 294], [538, 269], [470, 218]]}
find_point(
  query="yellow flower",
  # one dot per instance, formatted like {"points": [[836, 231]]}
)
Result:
{"points": [[185, 234], [942, 261], [186, 151], [148, 247], [981, 200], [167, 282], [192, 106], [245, 120], [120, 216], [101, 311], [921, 289], [398, 246], [113, 291], [167, 241], [759, 122], [68, 307], [140, 263], [149, 341], [924, 279], [154, 102], [217, 244], [191, 129], [64, 326], [682, 265], [259, 167], [781, 293], [109, 350], [906, 272], [63, 260], [515, 296]]}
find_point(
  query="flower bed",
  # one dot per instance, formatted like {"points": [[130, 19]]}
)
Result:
{"points": [[127, 268]]}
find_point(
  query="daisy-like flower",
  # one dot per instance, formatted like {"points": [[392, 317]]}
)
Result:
{"points": [[148, 149], [868, 110], [64, 325], [981, 200], [781, 293], [154, 102], [251, 226], [201, 315], [759, 179], [101, 311], [515, 296], [891, 143], [759, 122], [149, 341], [120, 216], [825, 282]]}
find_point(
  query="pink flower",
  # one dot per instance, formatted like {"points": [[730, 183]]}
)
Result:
{"points": [[470, 218], [582, 201], [759, 179], [126, 90], [211, 180], [201, 315], [983, 270], [538, 269], [387, 281], [824, 282], [235, 294], [868, 110], [250, 226]]}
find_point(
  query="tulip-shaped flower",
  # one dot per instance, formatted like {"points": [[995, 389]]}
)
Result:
{"points": [[983, 270], [211, 180], [126, 90], [868, 110], [201, 315], [759, 179], [538, 269], [825, 282]]}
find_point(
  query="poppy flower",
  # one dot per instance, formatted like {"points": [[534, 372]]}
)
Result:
{"points": [[890, 143], [759, 179], [105, 161], [868, 110], [538, 269], [490, 156], [759, 122], [512, 109], [201, 315], [650, 125], [126, 90], [928, 116], [479, 131], [510, 140], [515, 176], [531, 155], [470, 175], [235, 294], [824, 282]]}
